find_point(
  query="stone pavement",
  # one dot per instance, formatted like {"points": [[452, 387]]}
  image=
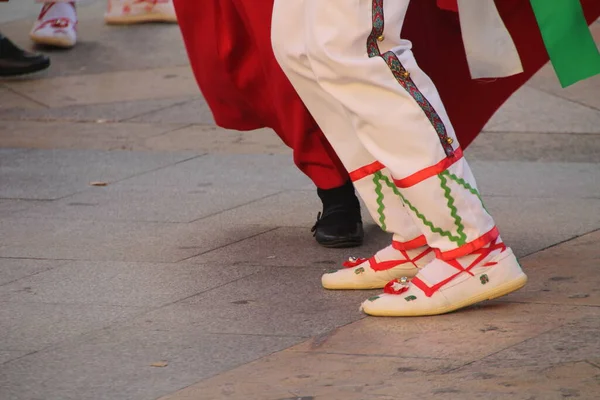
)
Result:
{"points": [[145, 253]]}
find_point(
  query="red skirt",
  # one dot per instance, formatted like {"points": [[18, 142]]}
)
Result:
{"points": [[229, 46], [228, 42]]}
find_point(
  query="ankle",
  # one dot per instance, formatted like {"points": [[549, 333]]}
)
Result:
{"points": [[392, 253], [340, 197], [483, 254]]}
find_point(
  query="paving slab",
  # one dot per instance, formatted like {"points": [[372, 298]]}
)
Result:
{"points": [[13, 269], [116, 241], [564, 274], [9, 99], [120, 284], [102, 48], [98, 135], [233, 171], [507, 349], [300, 209], [107, 112], [124, 203], [52, 174], [529, 225], [476, 381], [575, 341], [16, 10], [538, 179], [32, 327], [524, 224], [422, 357], [117, 364], [468, 335], [389, 378], [9, 355], [292, 247], [9, 207], [192, 112], [585, 92], [546, 147], [4, 153], [314, 376], [274, 301], [531, 110], [209, 138], [108, 87]]}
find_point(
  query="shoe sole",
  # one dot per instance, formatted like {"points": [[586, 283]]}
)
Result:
{"points": [[379, 285], [500, 291], [343, 244], [25, 71], [138, 19], [354, 287], [52, 41]]}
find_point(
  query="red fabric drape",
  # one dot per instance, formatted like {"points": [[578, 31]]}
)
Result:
{"points": [[229, 46]]}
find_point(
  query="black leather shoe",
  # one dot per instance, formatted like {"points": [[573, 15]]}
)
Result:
{"points": [[15, 61], [340, 223]]}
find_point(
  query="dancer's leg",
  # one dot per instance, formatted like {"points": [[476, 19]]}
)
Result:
{"points": [[353, 56]]}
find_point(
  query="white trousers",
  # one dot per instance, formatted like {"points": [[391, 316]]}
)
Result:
{"points": [[384, 118]]}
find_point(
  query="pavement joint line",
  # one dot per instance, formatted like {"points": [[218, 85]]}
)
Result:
{"points": [[131, 176], [28, 200], [377, 355], [6, 80], [257, 335], [79, 336], [304, 267], [559, 243], [121, 220], [35, 273], [165, 133], [229, 244], [75, 304], [543, 133], [565, 98], [87, 189], [505, 132], [507, 347], [593, 364], [508, 301], [507, 196], [158, 168], [117, 324], [238, 206], [21, 356], [204, 291], [181, 103], [16, 92], [38, 259]]}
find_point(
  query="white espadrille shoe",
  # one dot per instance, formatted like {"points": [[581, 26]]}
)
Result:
{"points": [[56, 25], [375, 272], [124, 12], [445, 286]]}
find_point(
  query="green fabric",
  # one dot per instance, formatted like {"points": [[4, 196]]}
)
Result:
{"points": [[377, 176], [568, 39], [435, 229], [460, 229]]}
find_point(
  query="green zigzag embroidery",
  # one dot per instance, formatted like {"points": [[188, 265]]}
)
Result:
{"points": [[423, 219], [377, 176], [460, 229], [464, 184]]}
